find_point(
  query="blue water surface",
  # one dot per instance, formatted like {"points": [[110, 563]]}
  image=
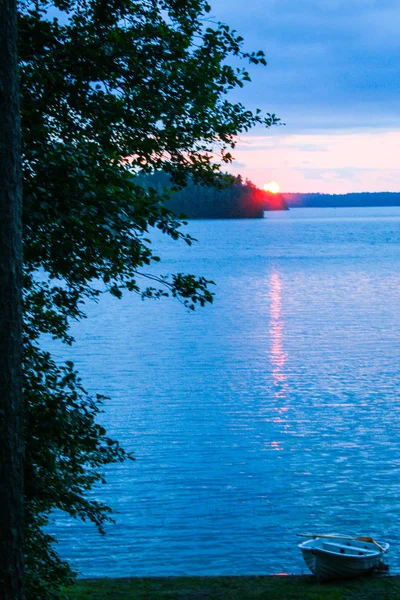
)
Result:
{"points": [[275, 411]]}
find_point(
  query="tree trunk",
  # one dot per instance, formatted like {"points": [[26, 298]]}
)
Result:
{"points": [[11, 446]]}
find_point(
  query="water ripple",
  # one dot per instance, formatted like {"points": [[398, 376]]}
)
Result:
{"points": [[273, 412]]}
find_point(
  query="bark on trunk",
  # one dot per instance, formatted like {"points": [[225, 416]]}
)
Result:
{"points": [[11, 447]]}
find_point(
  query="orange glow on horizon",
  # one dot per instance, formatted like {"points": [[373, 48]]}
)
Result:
{"points": [[272, 186]]}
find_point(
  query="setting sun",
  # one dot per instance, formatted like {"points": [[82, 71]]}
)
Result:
{"points": [[272, 186]]}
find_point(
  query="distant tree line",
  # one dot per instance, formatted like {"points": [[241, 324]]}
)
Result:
{"points": [[234, 198], [343, 200]]}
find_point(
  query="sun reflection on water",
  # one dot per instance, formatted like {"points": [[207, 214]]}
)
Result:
{"points": [[278, 356]]}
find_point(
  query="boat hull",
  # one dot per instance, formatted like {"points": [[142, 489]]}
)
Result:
{"points": [[328, 565]]}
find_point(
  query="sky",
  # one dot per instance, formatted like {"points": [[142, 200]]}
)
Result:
{"points": [[333, 77]]}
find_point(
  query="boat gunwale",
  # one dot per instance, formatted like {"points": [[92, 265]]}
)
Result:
{"points": [[323, 551]]}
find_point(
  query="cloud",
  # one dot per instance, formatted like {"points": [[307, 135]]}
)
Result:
{"points": [[335, 162], [331, 63]]}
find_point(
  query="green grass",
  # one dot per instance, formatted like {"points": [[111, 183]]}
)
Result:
{"points": [[235, 588]]}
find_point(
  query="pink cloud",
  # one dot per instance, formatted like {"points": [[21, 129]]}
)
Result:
{"points": [[330, 163]]}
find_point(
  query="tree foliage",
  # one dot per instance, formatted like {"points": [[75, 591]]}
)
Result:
{"points": [[108, 88]]}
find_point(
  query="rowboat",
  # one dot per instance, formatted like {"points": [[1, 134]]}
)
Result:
{"points": [[332, 557]]}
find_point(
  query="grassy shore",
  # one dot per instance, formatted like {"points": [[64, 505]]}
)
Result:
{"points": [[235, 588]]}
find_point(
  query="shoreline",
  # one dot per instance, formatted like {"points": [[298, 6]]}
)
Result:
{"points": [[240, 587]]}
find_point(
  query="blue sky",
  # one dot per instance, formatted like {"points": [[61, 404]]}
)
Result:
{"points": [[333, 76]]}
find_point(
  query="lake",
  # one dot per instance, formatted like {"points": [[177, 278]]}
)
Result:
{"points": [[275, 411]]}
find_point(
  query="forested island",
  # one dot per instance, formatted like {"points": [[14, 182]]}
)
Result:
{"points": [[238, 199], [343, 200]]}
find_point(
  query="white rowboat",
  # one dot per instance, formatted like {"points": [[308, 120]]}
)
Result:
{"points": [[334, 557]]}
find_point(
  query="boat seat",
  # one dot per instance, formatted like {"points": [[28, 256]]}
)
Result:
{"points": [[344, 549]]}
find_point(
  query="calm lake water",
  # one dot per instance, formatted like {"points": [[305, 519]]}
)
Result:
{"points": [[272, 412]]}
